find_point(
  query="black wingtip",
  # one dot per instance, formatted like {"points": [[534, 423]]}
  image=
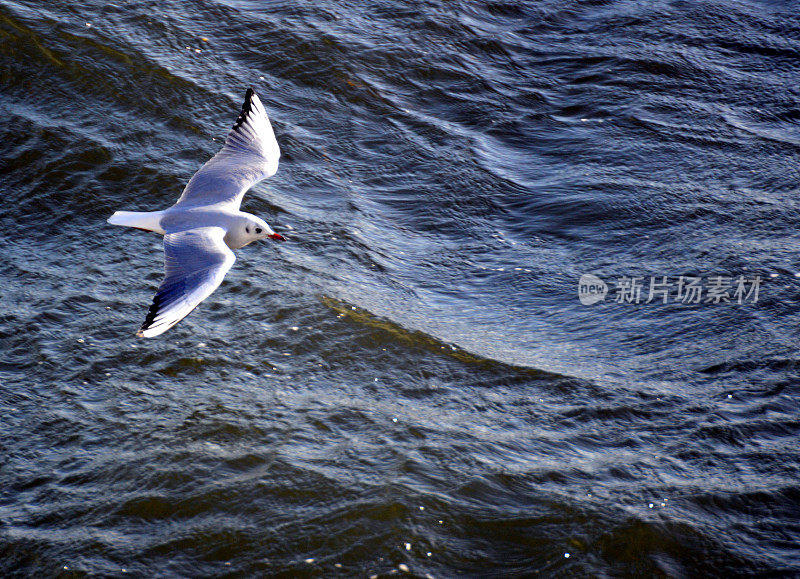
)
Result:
{"points": [[246, 106], [151, 314]]}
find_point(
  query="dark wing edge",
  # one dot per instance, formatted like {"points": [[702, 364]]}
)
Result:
{"points": [[252, 133], [247, 106]]}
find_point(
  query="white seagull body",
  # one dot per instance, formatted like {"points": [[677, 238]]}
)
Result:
{"points": [[202, 228]]}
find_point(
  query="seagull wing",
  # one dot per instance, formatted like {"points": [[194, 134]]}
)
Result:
{"points": [[195, 262], [250, 154]]}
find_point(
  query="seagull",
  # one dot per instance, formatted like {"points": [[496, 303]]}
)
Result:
{"points": [[205, 224]]}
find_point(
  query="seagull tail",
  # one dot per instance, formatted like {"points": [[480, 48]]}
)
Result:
{"points": [[146, 220]]}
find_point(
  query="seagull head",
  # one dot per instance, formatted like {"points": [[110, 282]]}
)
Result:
{"points": [[253, 228]]}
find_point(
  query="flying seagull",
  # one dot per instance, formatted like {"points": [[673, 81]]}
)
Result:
{"points": [[202, 228]]}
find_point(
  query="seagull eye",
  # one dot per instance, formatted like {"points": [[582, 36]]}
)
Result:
{"points": [[258, 230]]}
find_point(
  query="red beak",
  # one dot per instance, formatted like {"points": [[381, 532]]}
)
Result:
{"points": [[277, 237]]}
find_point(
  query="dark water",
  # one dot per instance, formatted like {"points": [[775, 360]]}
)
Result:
{"points": [[411, 384]]}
